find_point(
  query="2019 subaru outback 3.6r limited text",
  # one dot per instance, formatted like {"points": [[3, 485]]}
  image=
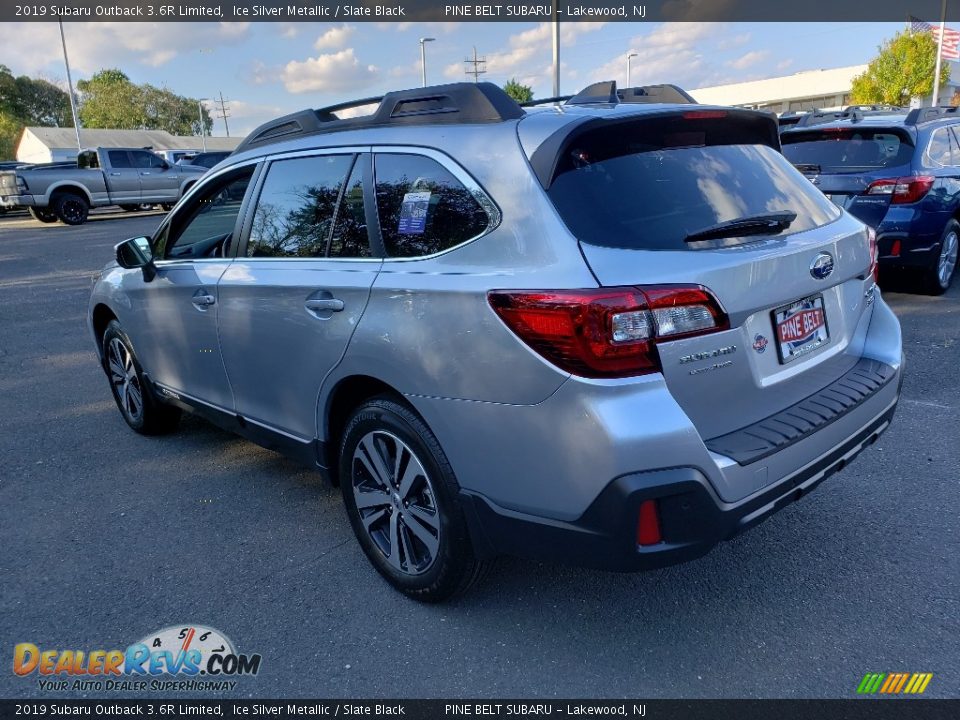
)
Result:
{"points": [[611, 332]]}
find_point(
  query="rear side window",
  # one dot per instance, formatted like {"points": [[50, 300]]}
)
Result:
{"points": [[295, 212], [847, 149], [119, 159], [942, 150], [423, 208], [648, 185]]}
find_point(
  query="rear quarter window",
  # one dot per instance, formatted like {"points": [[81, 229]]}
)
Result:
{"points": [[423, 208], [652, 183]]}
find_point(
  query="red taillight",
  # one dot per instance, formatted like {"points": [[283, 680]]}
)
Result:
{"points": [[895, 248], [902, 190], [874, 254], [704, 114], [608, 332], [648, 524]]}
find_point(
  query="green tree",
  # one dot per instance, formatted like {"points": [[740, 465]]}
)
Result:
{"points": [[903, 69], [111, 100], [28, 101], [520, 93]]}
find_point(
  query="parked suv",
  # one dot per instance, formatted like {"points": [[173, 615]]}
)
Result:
{"points": [[896, 170], [613, 332]]}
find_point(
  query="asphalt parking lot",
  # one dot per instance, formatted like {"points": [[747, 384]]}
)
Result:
{"points": [[107, 536]]}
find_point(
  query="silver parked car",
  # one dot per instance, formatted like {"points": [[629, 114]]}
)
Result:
{"points": [[611, 332]]}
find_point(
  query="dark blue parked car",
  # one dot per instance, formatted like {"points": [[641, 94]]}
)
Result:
{"points": [[898, 172]]}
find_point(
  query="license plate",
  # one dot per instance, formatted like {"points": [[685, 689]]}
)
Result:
{"points": [[801, 328]]}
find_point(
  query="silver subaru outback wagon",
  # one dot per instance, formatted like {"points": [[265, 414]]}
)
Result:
{"points": [[613, 331]]}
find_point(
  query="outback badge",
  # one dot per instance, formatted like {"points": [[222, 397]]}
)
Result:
{"points": [[822, 266]]}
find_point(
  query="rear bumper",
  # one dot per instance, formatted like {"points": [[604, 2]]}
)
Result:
{"points": [[913, 232], [693, 518], [10, 202]]}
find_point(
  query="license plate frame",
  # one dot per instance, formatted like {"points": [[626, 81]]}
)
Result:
{"points": [[811, 314]]}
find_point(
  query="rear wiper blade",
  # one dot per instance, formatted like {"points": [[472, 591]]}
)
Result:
{"points": [[765, 224]]}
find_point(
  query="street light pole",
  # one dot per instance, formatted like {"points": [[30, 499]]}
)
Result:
{"points": [[423, 60], [556, 53], [629, 79], [203, 134], [73, 100]]}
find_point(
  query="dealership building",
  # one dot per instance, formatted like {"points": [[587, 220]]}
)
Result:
{"points": [[821, 89], [53, 144]]}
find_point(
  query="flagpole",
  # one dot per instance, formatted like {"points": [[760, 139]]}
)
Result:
{"points": [[936, 72]]}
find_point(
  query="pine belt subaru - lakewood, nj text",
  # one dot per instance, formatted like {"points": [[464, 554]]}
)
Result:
{"points": [[612, 331]]}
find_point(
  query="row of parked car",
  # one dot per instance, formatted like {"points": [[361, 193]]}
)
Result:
{"points": [[612, 330], [132, 178]]}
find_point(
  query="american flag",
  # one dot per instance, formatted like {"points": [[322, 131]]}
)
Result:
{"points": [[951, 38]]}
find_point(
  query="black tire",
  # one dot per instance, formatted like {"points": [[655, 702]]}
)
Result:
{"points": [[44, 215], [452, 567], [154, 417], [167, 207], [938, 277], [71, 209], [131, 208]]}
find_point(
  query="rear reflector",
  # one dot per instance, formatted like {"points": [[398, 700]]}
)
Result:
{"points": [[608, 332], [648, 524], [895, 248], [902, 190]]}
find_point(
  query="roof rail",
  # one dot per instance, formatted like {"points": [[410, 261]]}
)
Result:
{"points": [[440, 104], [607, 93], [922, 115], [875, 108], [819, 117]]}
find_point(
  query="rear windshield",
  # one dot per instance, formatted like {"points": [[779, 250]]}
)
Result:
{"points": [[650, 185], [847, 150]]}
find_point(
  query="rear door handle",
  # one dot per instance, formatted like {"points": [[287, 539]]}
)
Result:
{"points": [[321, 304], [144, 173], [203, 299]]}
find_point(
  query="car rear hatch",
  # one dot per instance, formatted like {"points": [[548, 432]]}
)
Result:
{"points": [[703, 197], [856, 167]]}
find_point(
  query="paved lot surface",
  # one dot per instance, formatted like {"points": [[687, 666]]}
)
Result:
{"points": [[106, 536]]}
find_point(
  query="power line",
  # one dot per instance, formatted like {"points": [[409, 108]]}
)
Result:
{"points": [[479, 65]]}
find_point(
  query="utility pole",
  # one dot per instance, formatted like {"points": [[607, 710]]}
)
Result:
{"points": [[479, 65], [73, 99], [224, 113]]}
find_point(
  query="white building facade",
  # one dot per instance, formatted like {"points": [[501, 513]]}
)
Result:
{"points": [[46, 144]]}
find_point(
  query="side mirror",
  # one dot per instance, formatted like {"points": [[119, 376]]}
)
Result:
{"points": [[137, 253]]}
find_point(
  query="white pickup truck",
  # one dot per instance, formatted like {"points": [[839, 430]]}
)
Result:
{"points": [[128, 177]]}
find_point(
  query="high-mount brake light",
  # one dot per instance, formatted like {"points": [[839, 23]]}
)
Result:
{"points": [[704, 114], [902, 190], [608, 332]]}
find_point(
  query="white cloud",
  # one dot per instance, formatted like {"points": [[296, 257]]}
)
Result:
{"points": [[328, 73], [734, 42], [335, 37], [670, 53], [784, 64], [748, 59], [245, 117], [96, 45]]}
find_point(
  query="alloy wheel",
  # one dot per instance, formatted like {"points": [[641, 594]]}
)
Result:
{"points": [[123, 377], [948, 259], [396, 502]]}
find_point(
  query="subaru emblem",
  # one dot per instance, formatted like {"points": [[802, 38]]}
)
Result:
{"points": [[822, 266]]}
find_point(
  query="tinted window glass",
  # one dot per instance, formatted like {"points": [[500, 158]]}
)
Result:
{"points": [[144, 160], [847, 150], [350, 231], [942, 150], [423, 208], [204, 227], [651, 184], [118, 159], [295, 211]]}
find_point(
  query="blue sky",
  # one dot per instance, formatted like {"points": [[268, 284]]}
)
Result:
{"points": [[267, 69]]}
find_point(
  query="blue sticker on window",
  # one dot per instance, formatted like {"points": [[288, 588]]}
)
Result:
{"points": [[413, 213]]}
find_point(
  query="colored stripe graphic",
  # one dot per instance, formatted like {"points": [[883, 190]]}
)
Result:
{"points": [[894, 683]]}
